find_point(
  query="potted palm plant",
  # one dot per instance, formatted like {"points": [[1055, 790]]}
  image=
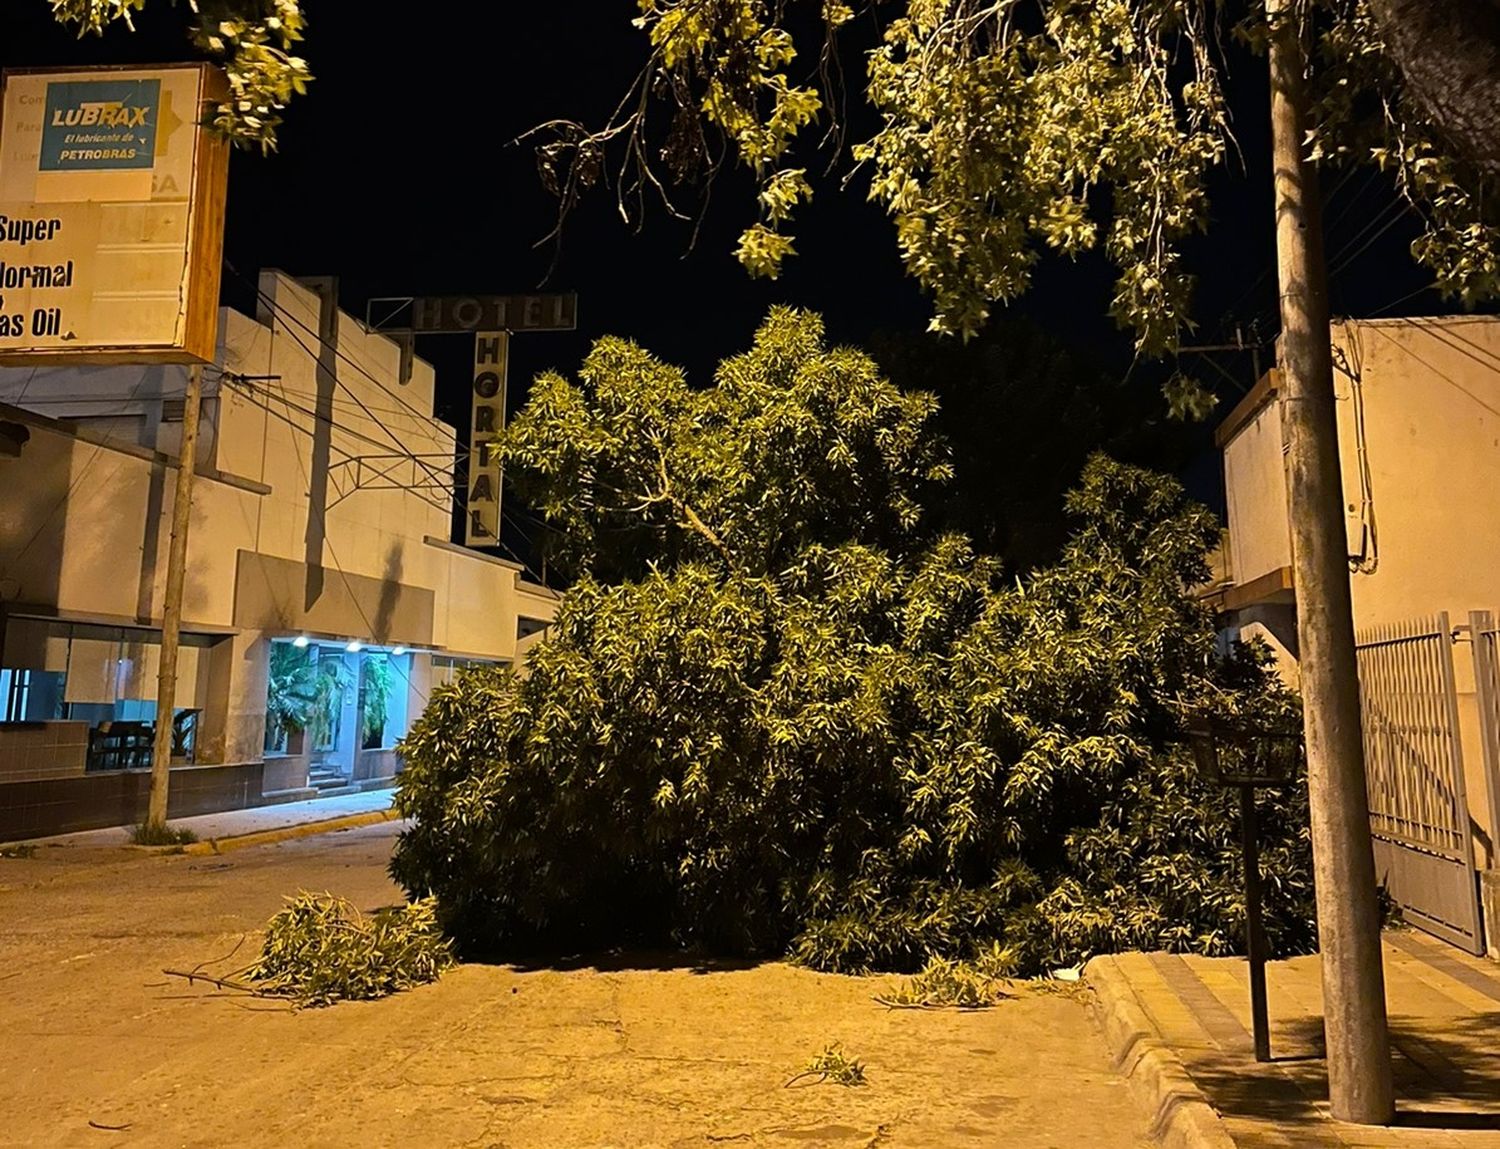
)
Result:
{"points": [[290, 695], [374, 701]]}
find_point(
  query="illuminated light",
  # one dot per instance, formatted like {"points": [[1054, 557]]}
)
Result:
{"points": [[398, 650], [300, 641], [355, 646]]}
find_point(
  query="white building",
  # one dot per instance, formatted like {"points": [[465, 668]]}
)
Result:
{"points": [[318, 548]]}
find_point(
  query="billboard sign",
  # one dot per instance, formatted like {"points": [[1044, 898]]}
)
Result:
{"points": [[100, 125], [111, 215]]}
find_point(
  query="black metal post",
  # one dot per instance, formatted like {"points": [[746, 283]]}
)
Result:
{"points": [[1255, 942]]}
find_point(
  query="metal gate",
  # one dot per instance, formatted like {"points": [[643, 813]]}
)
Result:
{"points": [[1419, 813]]}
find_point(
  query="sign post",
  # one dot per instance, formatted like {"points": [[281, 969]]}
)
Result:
{"points": [[171, 619], [1246, 754]]}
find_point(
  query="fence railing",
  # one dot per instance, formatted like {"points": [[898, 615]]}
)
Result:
{"points": [[1413, 758]]}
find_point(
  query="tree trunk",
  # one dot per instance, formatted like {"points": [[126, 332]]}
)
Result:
{"points": [[1449, 52]]}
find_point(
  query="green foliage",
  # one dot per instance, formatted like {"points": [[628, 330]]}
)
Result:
{"points": [[160, 834], [292, 690], [812, 724], [944, 984], [832, 1067], [320, 949], [330, 679], [374, 698], [252, 38], [1365, 114], [993, 141], [1010, 130], [635, 470]]}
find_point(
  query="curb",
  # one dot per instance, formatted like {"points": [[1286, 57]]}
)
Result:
{"points": [[287, 833], [1180, 1115]]}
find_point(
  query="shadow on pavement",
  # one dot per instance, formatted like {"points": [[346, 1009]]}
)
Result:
{"points": [[1447, 1074]]}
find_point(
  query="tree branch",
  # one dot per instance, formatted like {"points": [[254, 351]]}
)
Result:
{"points": [[690, 517]]}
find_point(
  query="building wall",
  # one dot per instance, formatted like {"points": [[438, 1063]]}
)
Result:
{"points": [[1423, 424], [1419, 407], [306, 516], [1255, 485]]}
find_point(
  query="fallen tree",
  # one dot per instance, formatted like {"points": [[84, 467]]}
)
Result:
{"points": [[778, 714]]}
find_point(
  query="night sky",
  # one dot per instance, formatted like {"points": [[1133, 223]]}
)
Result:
{"points": [[396, 175]]}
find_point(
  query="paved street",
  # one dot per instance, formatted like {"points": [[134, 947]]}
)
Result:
{"points": [[490, 1056]]}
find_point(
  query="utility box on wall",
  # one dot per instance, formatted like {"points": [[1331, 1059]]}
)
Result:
{"points": [[111, 215]]}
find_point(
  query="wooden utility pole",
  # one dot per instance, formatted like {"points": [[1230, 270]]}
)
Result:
{"points": [[1354, 1017], [171, 615]]}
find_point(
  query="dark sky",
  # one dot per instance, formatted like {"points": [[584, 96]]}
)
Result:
{"points": [[395, 175]]}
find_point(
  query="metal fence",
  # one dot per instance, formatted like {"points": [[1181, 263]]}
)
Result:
{"points": [[1419, 813]]}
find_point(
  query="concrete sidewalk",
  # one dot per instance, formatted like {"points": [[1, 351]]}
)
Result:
{"points": [[1179, 1029], [262, 824]]}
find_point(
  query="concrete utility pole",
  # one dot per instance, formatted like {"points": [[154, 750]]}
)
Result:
{"points": [[1354, 1018], [171, 615]]}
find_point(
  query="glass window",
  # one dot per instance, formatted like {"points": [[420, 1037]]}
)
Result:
{"points": [[104, 677]]}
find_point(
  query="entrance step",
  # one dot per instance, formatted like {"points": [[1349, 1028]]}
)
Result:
{"points": [[323, 779], [337, 791]]}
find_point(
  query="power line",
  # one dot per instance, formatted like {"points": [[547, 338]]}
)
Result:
{"points": [[304, 394], [343, 575], [316, 416], [443, 506], [1443, 335], [25, 387], [1398, 302], [1271, 264], [289, 320], [339, 567], [1452, 382], [1340, 262], [287, 317]]}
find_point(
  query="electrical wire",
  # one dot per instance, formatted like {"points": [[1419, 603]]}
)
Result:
{"points": [[1452, 382], [1449, 333], [25, 387], [247, 387], [443, 506], [1270, 267], [339, 567], [292, 320], [289, 320], [1379, 311], [1341, 262], [313, 395]]}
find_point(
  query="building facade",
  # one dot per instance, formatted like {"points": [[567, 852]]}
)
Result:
{"points": [[323, 599], [1419, 442]]}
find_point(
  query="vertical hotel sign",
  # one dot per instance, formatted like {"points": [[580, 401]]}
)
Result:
{"points": [[111, 215], [491, 362]]}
